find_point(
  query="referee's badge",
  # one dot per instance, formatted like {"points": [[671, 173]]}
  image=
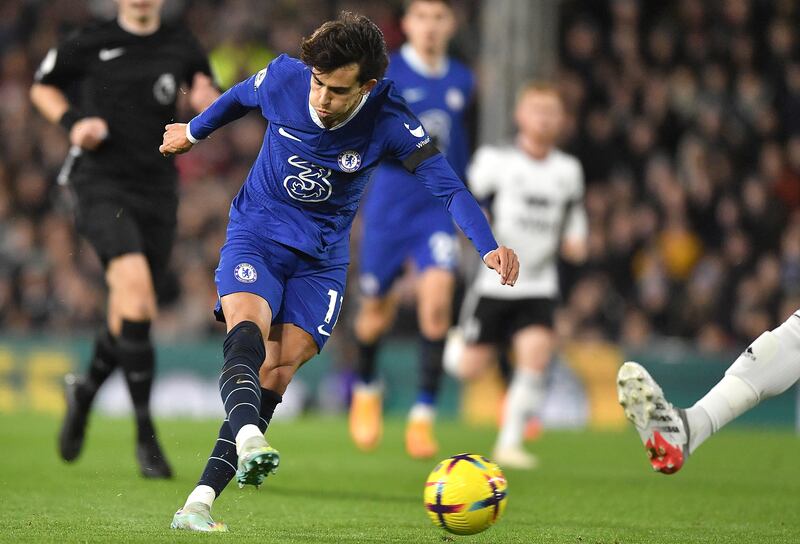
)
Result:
{"points": [[245, 273]]}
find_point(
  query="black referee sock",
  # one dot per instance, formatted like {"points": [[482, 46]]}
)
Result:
{"points": [[136, 356], [430, 369], [238, 383], [102, 364], [367, 359], [221, 466]]}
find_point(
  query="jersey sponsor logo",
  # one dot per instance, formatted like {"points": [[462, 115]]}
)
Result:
{"points": [[424, 142], [413, 94], [260, 77], [245, 273], [106, 55], [311, 182], [349, 161], [165, 89], [418, 132], [283, 132], [454, 99]]}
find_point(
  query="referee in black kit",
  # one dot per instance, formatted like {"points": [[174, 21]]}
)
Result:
{"points": [[124, 76]]}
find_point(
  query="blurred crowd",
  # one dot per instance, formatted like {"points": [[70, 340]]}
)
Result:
{"points": [[685, 115], [687, 122]]}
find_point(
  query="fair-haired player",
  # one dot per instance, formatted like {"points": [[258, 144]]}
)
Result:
{"points": [[768, 367], [281, 277], [128, 73], [536, 194], [437, 89]]}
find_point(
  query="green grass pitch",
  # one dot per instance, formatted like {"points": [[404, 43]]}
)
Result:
{"points": [[741, 487]]}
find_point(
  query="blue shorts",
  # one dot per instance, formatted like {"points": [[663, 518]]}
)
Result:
{"points": [[299, 289], [383, 254]]}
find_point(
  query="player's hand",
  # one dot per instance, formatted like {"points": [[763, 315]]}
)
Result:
{"points": [[88, 133], [175, 140], [505, 262]]}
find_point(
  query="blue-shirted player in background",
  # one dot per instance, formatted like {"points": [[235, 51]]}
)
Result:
{"points": [[437, 89], [332, 119]]}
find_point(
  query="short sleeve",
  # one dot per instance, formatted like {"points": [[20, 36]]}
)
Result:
{"points": [[482, 172], [63, 64]]}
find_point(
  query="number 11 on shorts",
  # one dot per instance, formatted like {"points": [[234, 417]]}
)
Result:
{"points": [[334, 295]]}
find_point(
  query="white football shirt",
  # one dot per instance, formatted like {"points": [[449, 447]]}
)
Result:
{"points": [[536, 204]]}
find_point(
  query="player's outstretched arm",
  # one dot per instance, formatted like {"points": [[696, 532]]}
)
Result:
{"points": [[231, 105], [505, 262], [175, 141], [436, 174]]}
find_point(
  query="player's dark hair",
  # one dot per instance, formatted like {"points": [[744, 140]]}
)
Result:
{"points": [[351, 38]]}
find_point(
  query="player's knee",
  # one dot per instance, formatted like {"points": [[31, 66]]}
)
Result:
{"points": [[435, 322], [473, 363], [372, 322]]}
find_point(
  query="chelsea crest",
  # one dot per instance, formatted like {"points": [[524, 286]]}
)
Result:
{"points": [[349, 161]]}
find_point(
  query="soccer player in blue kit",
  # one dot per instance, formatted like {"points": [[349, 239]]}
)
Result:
{"points": [[437, 89], [332, 119]]}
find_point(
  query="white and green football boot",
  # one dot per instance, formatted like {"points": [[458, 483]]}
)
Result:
{"points": [[196, 516], [661, 426], [257, 460]]}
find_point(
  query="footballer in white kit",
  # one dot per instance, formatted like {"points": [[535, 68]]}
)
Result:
{"points": [[536, 194]]}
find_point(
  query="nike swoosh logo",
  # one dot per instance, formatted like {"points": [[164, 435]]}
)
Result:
{"points": [[322, 331], [109, 54], [419, 132], [285, 134]]}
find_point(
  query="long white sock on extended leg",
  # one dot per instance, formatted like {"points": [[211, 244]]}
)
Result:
{"points": [[525, 397], [729, 399], [202, 493], [767, 368]]}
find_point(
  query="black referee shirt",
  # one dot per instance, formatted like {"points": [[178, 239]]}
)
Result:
{"points": [[132, 82]]}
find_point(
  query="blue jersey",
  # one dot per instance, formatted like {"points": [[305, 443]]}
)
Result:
{"points": [[438, 100], [305, 185]]}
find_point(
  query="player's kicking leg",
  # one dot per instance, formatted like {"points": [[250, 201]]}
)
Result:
{"points": [[768, 367]]}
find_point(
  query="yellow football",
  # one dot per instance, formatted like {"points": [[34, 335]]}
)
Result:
{"points": [[465, 494]]}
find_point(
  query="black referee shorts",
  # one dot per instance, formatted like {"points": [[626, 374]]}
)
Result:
{"points": [[116, 223], [496, 320]]}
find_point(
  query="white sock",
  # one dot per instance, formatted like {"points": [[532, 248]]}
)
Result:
{"points": [[729, 399], [422, 411], [248, 431], [524, 398], [372, 388], [201, 493]]}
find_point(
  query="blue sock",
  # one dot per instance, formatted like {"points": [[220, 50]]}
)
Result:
{"points": [[430, 369], [238, 383], [221, 465]]}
